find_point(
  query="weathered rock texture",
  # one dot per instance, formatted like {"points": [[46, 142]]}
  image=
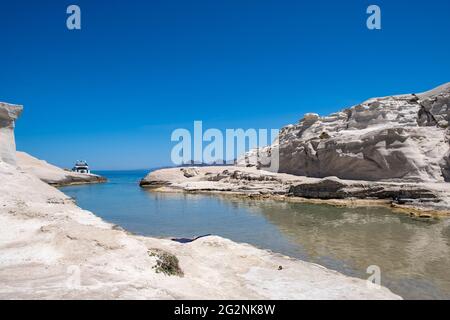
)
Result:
{"points": [[403, 138], [51, 249], [8, 115], [46, 241]]}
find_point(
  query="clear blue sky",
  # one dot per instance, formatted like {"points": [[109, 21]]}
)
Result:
{"points": [[113, 92]]}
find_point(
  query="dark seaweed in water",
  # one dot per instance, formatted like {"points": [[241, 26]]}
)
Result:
{"points": [[187, 240]]}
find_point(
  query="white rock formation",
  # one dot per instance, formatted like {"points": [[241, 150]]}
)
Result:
{"points": [[8, 115], [46, 240], [414, 197], [52, 174], [43, 170], [402, 138], [51, 249]]}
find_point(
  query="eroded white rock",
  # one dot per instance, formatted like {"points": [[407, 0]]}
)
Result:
{"points": [[402, 138], [8, 115]]}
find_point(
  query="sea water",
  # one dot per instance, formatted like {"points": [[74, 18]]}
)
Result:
{"points": [[413, 255]]}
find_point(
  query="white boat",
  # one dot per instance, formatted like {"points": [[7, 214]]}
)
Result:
{"points": [[81, 167]]}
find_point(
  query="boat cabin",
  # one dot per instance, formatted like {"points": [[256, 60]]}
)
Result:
{"points": [[81, 167]]}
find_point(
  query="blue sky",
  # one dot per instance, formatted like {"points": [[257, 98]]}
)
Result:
{"points": [[112, 92]]}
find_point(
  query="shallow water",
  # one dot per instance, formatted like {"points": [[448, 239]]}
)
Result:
{"points": [[413, 255]]}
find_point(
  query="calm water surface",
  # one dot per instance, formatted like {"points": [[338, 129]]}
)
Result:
{"points": [[414, 256]]}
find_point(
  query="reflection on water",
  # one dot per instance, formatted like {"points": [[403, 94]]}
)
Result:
{"points": [[414, 256]]}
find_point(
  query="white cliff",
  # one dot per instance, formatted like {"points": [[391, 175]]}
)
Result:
{"points": [[8, 115], [396, 138], [393, 150], [41, 169]]}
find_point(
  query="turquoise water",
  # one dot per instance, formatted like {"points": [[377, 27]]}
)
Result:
{"points": [[413, 255]]}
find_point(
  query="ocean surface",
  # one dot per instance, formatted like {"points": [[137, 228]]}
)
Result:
{"points": [[413, 255]]}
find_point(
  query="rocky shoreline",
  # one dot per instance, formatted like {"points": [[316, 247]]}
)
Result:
{"points": [[46, 241], [392, 150], [52, 249], [53, 175], [418, 199]]}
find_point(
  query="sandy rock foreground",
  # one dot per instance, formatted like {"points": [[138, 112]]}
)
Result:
{"points": [[51, 249]]}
